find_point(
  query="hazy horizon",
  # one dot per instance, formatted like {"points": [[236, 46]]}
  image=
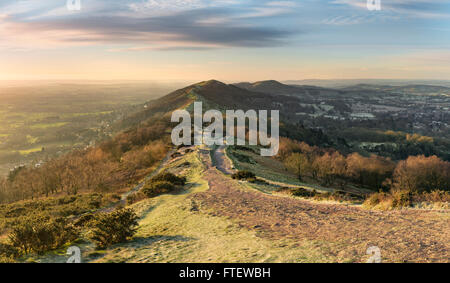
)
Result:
{"points": [[181, 83]]}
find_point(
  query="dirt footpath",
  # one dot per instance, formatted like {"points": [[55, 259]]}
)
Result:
{"points": [[344, 232], [222, 163]]}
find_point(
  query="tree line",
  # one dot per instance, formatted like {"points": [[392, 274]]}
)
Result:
{"points": [[111, 165], [330, 167]]}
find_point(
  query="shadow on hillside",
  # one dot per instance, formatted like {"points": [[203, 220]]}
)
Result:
{"points": [[135, 244], [145, 241]]}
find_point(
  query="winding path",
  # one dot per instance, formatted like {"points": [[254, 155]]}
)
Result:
{"points": [[123, 197], [222, 163]]}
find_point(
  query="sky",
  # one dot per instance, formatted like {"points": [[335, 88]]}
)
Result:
{"points": [[228, 40]]}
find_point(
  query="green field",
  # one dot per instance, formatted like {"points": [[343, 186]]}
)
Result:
{"points": [[39, 121]]}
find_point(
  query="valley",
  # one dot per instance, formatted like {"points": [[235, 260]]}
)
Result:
{"points": [[378, 119], [42, 121]]}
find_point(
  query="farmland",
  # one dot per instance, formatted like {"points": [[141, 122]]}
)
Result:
{"points": [[41, 121]]}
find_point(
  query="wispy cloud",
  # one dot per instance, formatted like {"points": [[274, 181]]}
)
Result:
{"points": [[349, 20], [408, 8], [165, 7], [190, 29], [139, 25]]}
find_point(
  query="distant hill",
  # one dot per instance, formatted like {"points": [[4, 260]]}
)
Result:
{"points": [[272, 87], [408, 89], [229, 96], [233, 97], [221, 96], [277, 88], [351, 82], [225, 96]]}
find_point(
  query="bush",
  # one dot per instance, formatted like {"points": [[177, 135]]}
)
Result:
{"points": [[8, 253], [401, 198], [158, 188], [112, 228], [339, 196], [375, 199], [41, 234], [243, 175], [393, 199], [83, 220], [286, 190], [162, 183], [434, 196], [169, 177], [135, 197], [334, 196], [243, 158], [301, 192]]}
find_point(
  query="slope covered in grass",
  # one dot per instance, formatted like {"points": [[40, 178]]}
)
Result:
{"points": [[174, 228]]}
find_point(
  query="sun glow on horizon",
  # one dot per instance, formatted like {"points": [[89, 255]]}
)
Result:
{"points": [[230, 41]]}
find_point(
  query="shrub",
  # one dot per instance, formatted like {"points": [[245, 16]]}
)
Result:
{"points": [[135, 197], [243, 175], [375, 199], [283, 190], [83, 220], [141, 158], [243, 158], [112, 228], [169, 177], [393, 199], [66, 200], [162, 183], [401, 198], [185, 164], [8, 253], [334, 196], [301, 192], [41, 234], [157, 188], [433, 196], [404, 198], [340, 196]]}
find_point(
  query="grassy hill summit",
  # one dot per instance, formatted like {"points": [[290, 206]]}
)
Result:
{"points": [[272, 87]]}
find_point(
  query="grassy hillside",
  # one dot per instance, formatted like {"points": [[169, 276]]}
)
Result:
{"points": [[172, 229], [212, 217]]}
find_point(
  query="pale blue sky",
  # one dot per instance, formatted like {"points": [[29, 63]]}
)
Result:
{"points": [[224, 39]]}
